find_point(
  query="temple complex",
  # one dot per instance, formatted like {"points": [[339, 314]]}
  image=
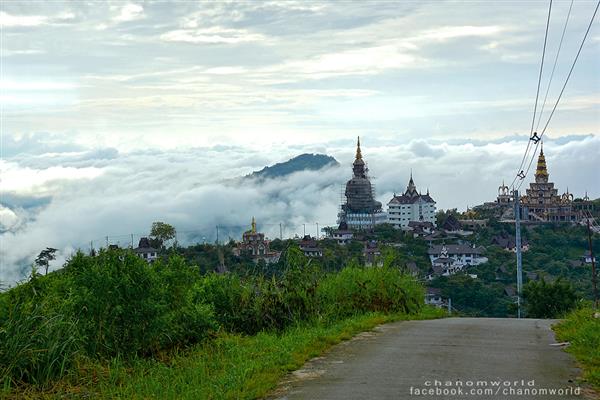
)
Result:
{"points": [[361, 210], [255, 245], [542, 201]]}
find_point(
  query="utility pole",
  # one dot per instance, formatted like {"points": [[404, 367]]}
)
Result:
{"points": [[317, 231], [132, 240], [449, 306], [595, 288], [107, 242], [304, 225], [518, 246], [280, 231], [217, 234]]}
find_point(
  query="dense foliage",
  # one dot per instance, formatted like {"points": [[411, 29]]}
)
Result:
{"points": [[554, 253], [549, 300], [581, 329], [115, 305]]}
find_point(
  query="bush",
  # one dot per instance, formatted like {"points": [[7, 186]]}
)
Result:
{"points": [[115, 305], [37, 343], [548, 300], [357, 290]]}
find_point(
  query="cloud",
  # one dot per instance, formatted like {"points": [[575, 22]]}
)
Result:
{"points": [[212, 35], [126, 192], [129, 12], [420, 148], [9, 21]]}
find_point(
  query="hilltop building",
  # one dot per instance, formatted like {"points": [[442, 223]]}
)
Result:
{"points": [[145, 251], [254, 244], [361, 210], [459, 253], [505, 196], [310, 247], [411, 206], [542, 201]]}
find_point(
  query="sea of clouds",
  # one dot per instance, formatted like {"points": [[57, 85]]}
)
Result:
{"points": [[69, 197]]}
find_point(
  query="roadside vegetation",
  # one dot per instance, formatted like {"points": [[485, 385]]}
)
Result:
{"points": [[111, 325], [582, 330]]}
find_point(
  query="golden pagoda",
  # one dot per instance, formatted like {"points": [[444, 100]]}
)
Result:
{"points": [[542, 201]]}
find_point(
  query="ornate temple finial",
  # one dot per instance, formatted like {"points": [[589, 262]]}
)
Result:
{"points": [[358, 153], [253, 225], [541, 171]]}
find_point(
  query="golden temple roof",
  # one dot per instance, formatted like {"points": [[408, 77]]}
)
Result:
{"points": [[541, 169]]}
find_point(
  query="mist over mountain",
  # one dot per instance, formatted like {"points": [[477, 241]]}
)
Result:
{"points": [[72, 200], [303, 162]]}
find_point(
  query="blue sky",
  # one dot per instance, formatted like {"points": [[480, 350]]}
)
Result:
{"points": [[116, 114]]}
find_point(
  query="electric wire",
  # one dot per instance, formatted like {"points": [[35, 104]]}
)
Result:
{"points": [[522, 176], [536, 99], [562, 36]]}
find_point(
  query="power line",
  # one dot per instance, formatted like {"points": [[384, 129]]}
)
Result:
{"points": [[562, 36], [519, 170], [571, 70], [522, 175]]}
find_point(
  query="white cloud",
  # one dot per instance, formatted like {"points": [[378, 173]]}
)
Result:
{"points": [[454, 32], [212, 35], [129, 12], [8, 20], [126, 193]]}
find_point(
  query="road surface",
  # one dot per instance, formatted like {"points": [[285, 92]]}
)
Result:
{"points": [[453, 358]]}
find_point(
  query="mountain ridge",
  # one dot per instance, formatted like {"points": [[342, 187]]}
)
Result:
{"points": [[302, 162]]}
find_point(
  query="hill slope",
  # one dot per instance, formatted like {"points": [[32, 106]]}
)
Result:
{"points": [[303, 162]]}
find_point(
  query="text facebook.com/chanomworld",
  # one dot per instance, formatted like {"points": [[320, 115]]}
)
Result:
{"points": [[490, 388]]}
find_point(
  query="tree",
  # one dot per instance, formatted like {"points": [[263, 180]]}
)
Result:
{"points": [[441, 216], [162, 232], [548, 300], [43, 259]]}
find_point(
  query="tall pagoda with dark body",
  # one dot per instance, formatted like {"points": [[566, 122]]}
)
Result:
{"points": [[361, 210], [542, 201]]}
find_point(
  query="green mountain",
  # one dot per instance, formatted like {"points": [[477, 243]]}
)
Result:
{"points": [[303, 162]]}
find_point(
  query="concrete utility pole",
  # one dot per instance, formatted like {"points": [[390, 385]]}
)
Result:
{"points": [[595, 288], [280, 231], [217, 234], [317, 231], [304, 225], [518, 246], [449, 306]]}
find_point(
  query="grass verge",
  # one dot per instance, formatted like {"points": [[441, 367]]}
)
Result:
{"points": [[231, 366], [582, 330]]}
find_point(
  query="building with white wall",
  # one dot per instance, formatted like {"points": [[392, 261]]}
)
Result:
{"points": [[411, 206]]}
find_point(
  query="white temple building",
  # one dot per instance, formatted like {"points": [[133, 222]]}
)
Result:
{"points": [[411, 206]]}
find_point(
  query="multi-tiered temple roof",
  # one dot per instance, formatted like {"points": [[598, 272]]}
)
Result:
{"points": [[542, 200], [359, 192]]}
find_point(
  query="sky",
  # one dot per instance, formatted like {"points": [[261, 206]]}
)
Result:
{"points": [[117, 114]]}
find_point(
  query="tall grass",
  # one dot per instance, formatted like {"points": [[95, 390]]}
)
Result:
{"points": [[115, 305], [582, 331]]}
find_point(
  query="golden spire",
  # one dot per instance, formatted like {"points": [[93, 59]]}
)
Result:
{"points": [[541, 170], [253, 225], [358, 153]]}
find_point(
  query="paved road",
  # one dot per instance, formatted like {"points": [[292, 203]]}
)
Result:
{"points": [[396, 360]]}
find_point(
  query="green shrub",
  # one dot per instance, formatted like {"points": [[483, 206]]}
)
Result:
{"points": [[37, 342], [582, 330], [357, 290], [549, 300], [115, 305]]}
